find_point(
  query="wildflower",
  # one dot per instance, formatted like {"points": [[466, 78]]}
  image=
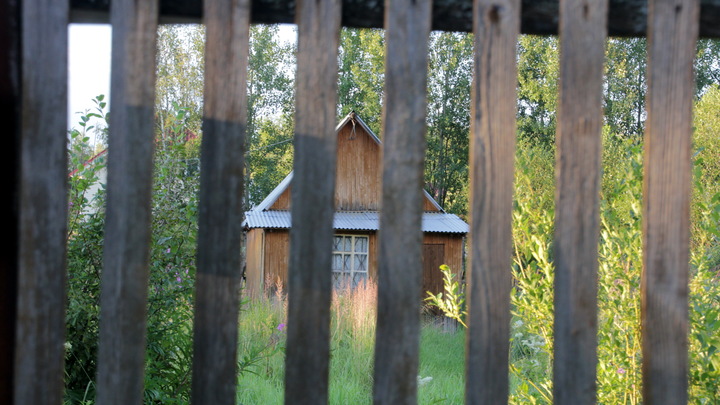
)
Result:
{"points": [[281, 327], [620, 370], [168, 250]]}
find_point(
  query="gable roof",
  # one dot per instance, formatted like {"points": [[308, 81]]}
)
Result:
{"points": [[262, 216]]}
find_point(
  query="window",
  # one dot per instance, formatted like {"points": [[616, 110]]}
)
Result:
{"points": [[350, 260]]}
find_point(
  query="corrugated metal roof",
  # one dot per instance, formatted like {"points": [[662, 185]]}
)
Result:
{"points": [[361, 221]]}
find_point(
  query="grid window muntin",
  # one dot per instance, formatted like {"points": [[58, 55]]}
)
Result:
{"points": [[350, 260]]}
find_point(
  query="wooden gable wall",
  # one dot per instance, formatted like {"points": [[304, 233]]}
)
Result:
{"points": [[358, 180]]}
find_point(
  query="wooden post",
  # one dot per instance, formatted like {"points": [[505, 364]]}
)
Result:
{"points": [[400, 252], [492, 163], [313, 189], [217, 289], [672, 36], [40, 338], [123, 299], [579, 148]]}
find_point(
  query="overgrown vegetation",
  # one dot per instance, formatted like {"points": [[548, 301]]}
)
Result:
{"points": [[263, 323]]}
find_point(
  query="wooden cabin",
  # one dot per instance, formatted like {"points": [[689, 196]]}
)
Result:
{"points": [[356, 222]]}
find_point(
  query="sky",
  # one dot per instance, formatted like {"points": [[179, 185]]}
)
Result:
{"points": [[89, 66]]}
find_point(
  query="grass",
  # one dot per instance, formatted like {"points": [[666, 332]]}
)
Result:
{"points": [[352, 353]]}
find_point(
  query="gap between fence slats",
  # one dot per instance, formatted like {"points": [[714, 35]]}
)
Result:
{"points": [[313, 188], [123, 298], [40, 337], [397, 341], [579, 147], [492, 158], [672, 37], [217, 288]]}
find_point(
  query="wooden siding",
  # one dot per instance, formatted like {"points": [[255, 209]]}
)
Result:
{"points": [[254, 262], [275, 257], [283, 201], [357, 176], [454, 249], [432, 280], [357, 179], [271, 247]]}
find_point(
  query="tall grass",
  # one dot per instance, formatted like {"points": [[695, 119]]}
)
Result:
{"points": [[352, 328]]}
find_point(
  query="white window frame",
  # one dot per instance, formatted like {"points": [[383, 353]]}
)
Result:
{"points": [[352, 254]]}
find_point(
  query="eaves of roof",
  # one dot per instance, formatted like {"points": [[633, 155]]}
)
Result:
{"points": [[438, 222]]}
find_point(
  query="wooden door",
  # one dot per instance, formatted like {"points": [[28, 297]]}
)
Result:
{"points": [[433, 256]]}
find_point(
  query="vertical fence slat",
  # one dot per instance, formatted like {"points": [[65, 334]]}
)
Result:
{"points": [[582, 53], [492, 157], [123, 299], [407, 24], [43, 200], [217, 290], [672, 36], [313, 187]]}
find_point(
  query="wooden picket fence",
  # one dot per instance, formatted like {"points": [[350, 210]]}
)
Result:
{"points": [[34, 41]]}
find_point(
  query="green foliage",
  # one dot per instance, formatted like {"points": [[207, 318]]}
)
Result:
{"points": [[538, 72], [449, 78], [270, 113], [84, 253], [625, 86], [172, 271], [361, 75], [452, 304]]}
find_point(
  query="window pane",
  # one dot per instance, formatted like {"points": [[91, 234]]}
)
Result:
{"points": [[361, 262], [341, 280], [337, 262], [348, 244], [361, 244], [347, 263], [359, 278], [337, 243]]}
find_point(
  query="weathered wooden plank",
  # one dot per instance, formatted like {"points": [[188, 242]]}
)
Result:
{"points": [[217, 288], [123, 299], [309, 278], [39, 350], [672, 35], [577, 194], [10, 107], [492, 159], [397, 341], [539, 17]]}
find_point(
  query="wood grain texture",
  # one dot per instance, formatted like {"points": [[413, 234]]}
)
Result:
{"points": [[407, 24], [539, 17], [10, 108], [492, 157], [39, 350], [673, 30], [577, 194], [309, 278], [123, 298], [219, 271]]}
